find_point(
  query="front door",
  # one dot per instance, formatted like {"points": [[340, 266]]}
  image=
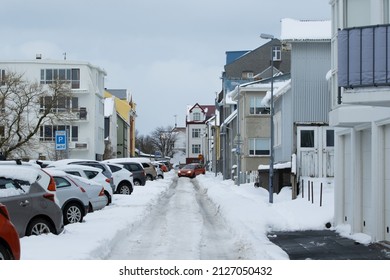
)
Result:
{"points": [[315, 151]]}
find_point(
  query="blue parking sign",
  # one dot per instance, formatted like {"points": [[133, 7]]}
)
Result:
{"points": [[61, 140]]}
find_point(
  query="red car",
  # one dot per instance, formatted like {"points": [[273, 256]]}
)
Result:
{"points": [[9, 238], [191, 170]]}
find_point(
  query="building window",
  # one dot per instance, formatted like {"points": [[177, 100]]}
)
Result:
{"points": [[2, 105], [62, 104], [247, 75], [277, 53], [48, 132], [259, 146], [307, 138], [2, 77], [330, 138], [196, 116], [196, 132], [48, 76], [196, 148], [357, 13], [255, 106], [2, 132]]}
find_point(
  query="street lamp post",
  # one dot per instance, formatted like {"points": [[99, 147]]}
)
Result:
{"points": [[271, 157]]}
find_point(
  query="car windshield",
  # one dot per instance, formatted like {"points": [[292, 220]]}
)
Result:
{"points": [[189, 167]]}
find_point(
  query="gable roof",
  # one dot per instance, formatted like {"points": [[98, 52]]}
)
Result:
{"points": [[208, 110]]}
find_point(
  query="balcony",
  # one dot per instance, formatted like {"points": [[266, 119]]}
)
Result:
{"points": [[364, 65]]}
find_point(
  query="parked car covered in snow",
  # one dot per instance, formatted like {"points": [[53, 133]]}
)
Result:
{"points": [[95, 191], [107, 180], [139, 174], [32, 209], [123, 178], [73, 199], [90, 173]]}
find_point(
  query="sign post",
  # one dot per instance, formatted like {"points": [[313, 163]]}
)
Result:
{"points": [[61, 140]]}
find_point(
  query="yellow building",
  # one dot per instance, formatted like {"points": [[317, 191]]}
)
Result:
{"points": [[125, 110]]}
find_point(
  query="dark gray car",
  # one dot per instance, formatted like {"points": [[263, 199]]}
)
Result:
{"points": [[32, 209]]}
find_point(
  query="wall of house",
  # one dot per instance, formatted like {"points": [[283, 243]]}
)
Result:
{"points": [[283, 105], [309, 64]]}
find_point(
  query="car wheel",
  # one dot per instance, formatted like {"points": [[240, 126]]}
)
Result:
{"points": [[125, 189], [160, 176], [137, 182], [39, 226], [149, 177], [73, 214], [109, 198], [5, 254], [90, 208]]}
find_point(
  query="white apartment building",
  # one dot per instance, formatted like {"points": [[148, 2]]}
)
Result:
{"points": [[196, 132], [360, 88], [85, 123]]}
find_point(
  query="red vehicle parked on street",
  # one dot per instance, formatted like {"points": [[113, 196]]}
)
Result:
{"points": [[9, 238]]}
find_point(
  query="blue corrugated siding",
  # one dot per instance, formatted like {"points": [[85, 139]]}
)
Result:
{"points": [[311, 98]]}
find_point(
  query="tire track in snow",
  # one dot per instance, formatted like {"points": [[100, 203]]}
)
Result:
{"points": [[183, 225]]}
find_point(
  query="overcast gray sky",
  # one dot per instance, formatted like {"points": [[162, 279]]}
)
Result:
{"points": [[167, 53]]}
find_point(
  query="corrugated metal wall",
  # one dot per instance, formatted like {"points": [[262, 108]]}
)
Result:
{"points": [[311, 98]]}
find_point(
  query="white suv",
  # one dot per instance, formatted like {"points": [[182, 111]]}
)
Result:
{"points": [[123, 178]]}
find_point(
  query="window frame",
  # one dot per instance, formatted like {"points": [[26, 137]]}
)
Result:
{"points": [[254, 109], [252, 147], [196, 148]]}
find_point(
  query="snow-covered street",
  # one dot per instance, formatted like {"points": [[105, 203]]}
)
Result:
{"points": [[181, 218], [184, 224], [204, 223]]}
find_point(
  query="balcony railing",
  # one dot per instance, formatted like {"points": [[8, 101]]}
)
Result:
{"points": [[364, 56]]}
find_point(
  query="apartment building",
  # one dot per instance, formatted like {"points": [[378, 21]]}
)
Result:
{"points": [[360, 80], [83, 110]]}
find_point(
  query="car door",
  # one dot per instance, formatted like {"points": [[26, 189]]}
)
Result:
{"points": [[64, 189], [18, 202]]}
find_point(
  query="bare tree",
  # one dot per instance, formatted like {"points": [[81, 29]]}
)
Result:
{"points": [[163, 140], [24, 107], [144, 144]]}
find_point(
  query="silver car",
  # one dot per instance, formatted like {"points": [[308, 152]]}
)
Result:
{"points": [[97, 198], [32, 209], [73, 199]]}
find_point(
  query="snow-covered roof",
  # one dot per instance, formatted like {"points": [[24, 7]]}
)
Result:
{"points": [[279, 87], [230, 118], [305, 30], [281, 165]]}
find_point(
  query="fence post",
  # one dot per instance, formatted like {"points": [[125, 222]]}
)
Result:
{"points": [[312, 193], [308, 190], [321, 196], [303, 187]]}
